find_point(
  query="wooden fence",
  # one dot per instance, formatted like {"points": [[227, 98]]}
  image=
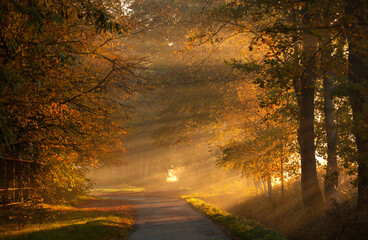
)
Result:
{"points": [[17, 179]]}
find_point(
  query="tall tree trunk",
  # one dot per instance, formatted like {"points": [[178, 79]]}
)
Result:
{"points": [[358, 77], [264, 186], [358, 80], [257, 185], [332, 175], [282, 175], [304, 88], [269, 187]]}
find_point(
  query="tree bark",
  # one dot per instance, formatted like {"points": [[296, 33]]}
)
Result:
{"points": [[358, 81], [304, 88], [332, 175], [358, 77], [269, 186], [257, 185], [264, 187]]}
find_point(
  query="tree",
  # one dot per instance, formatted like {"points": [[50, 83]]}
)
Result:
{"points": [[358, 80], [288, 35], [65, 84], [304, 89], [331, 183]]}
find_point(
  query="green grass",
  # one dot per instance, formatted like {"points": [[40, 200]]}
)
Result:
{"points": [[196, 195], [239, 227], [127, 189], [93, 219]]}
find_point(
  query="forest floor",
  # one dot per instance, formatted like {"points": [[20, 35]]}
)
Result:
{"points": [[91, 219]]}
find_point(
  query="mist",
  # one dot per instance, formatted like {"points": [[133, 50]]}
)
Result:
{"points": [[202, 130]]}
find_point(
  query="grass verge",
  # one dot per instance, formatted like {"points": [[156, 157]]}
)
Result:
{"points": [[118, 189], [239, 227], [91, 218]]}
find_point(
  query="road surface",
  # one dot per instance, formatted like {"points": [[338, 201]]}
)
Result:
{"points": [[171, 219]]}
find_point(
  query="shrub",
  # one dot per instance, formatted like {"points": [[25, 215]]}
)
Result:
{"points": [[61, 183]]}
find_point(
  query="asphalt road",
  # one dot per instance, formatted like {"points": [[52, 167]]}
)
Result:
{"points": [[171, 219]]}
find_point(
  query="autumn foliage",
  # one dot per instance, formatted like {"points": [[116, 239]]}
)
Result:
{"points": [[67, 86]]}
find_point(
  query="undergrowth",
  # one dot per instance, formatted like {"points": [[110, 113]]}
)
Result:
{"points": [[339, 221], [239, 227], [336, 221]]}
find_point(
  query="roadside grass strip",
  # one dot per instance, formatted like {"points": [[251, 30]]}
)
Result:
{"points": [[92, 219], [119, 189], [239, 227]]}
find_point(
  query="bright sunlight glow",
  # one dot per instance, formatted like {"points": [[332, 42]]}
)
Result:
{"points": [[171, 176]]}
